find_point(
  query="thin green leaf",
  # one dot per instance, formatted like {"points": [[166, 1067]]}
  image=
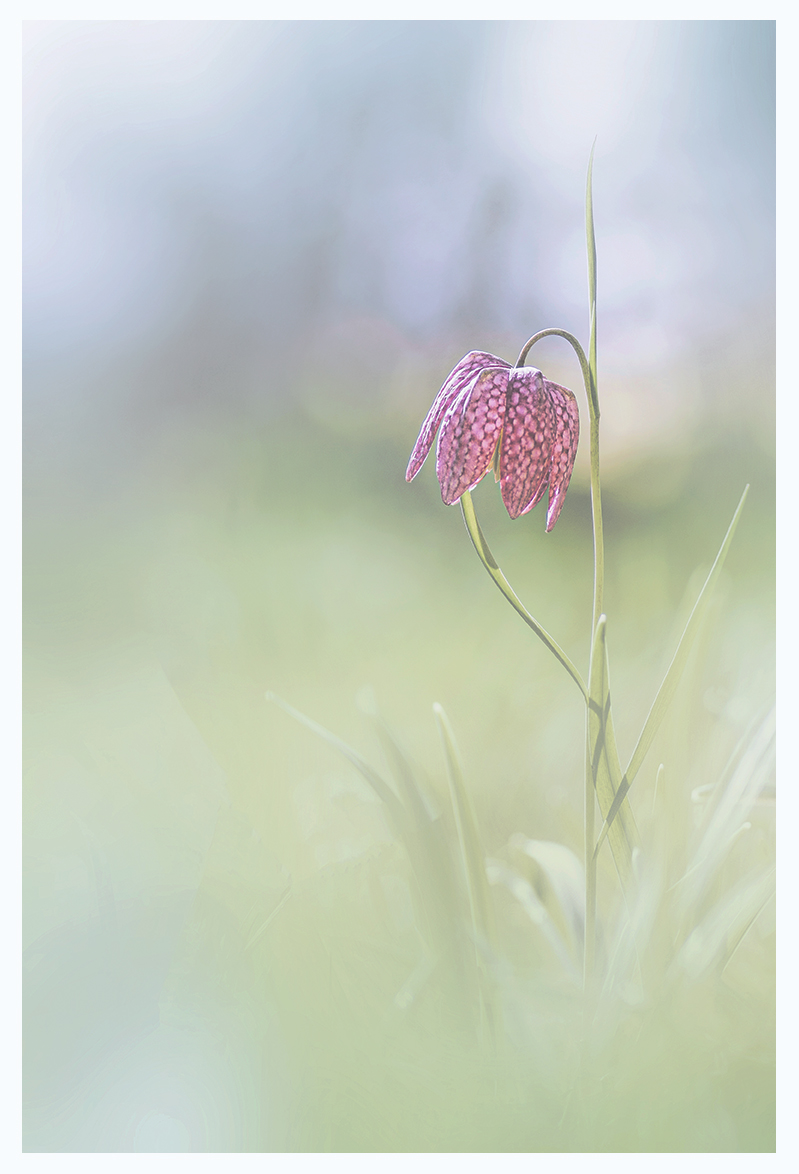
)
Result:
{"points": [[589, 228], [468, 836], [591, 246], [605, 767], [680, 658], [727, 819], [380, 788], [675, 670], [404, 775], [565, 877], [527, 897], [721, 932], [425, 843], [744, 924], [264, 926], [633, 933], [491, 565], [475, 871], [436, 897]]}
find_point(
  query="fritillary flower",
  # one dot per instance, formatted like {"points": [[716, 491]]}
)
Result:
{"points": [[510, 417]]}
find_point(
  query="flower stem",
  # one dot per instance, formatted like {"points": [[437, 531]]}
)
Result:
{"points": [[588, 366], [491, 565], [599, 588], [589, 943], [585, 366], [596, 498]]}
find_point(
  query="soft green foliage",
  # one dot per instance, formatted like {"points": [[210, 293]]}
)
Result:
{"points": [[666, 948], [235, 883]]}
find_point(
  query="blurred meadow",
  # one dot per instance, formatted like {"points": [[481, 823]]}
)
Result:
{"points": [[253, 251]]}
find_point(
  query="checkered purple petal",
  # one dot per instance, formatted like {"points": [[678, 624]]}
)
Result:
{"points": [[470, 432], [459, 378], [564, 447], [526, 441]]}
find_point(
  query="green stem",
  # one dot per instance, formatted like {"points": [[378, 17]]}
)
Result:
{"points": [[590, 866], [596, 497], [588, 366], [596, 514], [491, 565], [585, 366], [589, 948], [599, 582]]}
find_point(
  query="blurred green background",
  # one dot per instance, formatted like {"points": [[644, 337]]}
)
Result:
{"points": [[253, 251]]}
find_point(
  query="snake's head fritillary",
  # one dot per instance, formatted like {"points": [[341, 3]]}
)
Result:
{"points": [[486, 410]]}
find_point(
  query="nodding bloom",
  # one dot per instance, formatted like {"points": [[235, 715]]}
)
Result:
{"points": [[511, 417]]}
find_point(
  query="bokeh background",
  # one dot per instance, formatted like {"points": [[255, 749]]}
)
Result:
{"points": [[252, 252]]}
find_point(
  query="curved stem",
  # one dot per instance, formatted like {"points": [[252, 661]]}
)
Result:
{"points": [[491, 565], [588, 377], [589, 380]]}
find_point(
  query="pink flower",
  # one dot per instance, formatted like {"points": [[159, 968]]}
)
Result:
{"points": [[484, 404]]}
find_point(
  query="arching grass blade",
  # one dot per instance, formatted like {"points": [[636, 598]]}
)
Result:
{"points": [[673, 673]]}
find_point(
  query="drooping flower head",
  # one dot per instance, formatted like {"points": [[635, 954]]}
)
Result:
{"points": [[488, 409]]}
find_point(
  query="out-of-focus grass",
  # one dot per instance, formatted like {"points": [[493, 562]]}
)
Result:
{"points": [[223, 951]]}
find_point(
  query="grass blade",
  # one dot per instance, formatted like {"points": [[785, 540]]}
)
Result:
{"points": [[257, 934], [474, 867], [425, 842], [410, 792], [628, 971], [468, 836], [590, 237], [726, 821], [436, 897], [674, 672], [378, 785], [675, 669], [520, 888], [717, 937], [605, 767], [565, 877]]}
